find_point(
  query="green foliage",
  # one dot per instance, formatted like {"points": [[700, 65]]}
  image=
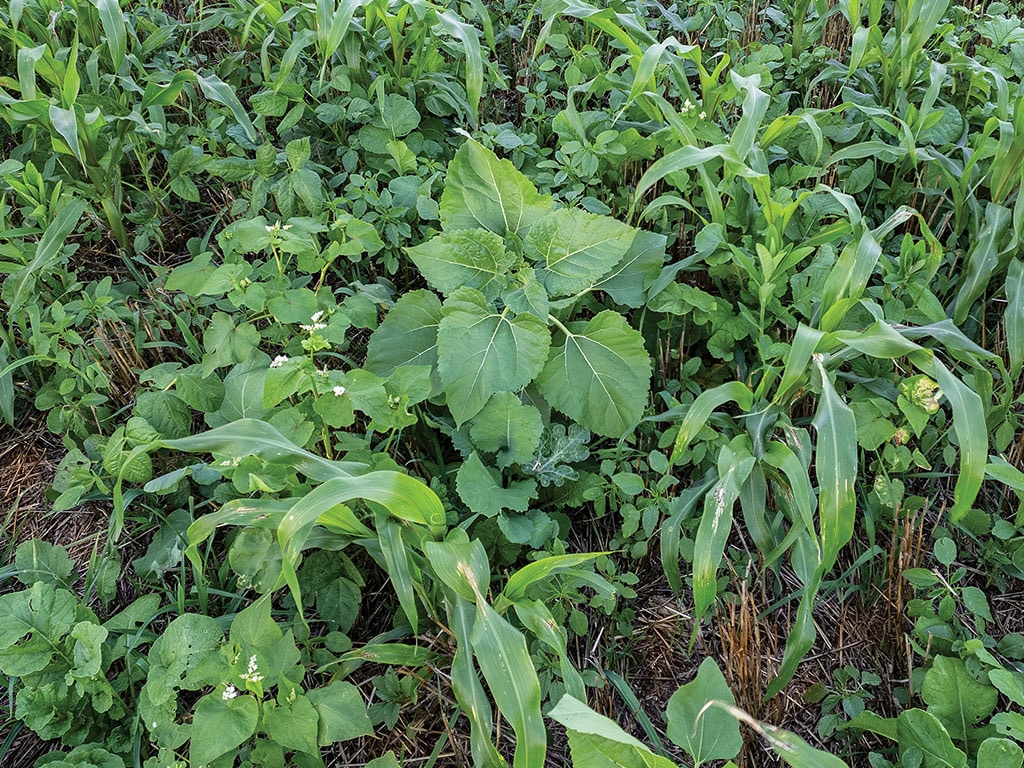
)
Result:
{"points": [[453, 292]]}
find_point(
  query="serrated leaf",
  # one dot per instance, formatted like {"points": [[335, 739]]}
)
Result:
{"points": [[482, 491], [627, 280], [706, 733], [916, 728], [482, 191], [576, 249], [599, 376], [955, 698], [408, 335], [474, 258], [481, 352], [508, 428], [37, 560]]}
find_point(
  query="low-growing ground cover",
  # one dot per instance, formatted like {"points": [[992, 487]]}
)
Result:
{"points": [[479, 384]]}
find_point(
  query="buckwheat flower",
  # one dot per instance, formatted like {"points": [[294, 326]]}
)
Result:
{"points": [[314, 326], [703, 115], [229, 693], [252, 675], [317, 315], [339, 391], [279, 361]]}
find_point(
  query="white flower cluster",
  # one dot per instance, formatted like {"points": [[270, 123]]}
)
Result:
{"points": [[229, 693], [278, 361], [252, 675], [689, 106], [315, 324], [277, 228]]}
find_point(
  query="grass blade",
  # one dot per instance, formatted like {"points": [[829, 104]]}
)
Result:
{"points": [[835, 466], [700, 411], [501, 652], [19, 286], [734, 465], [114, 28], [1014, 317], [469, 692]]}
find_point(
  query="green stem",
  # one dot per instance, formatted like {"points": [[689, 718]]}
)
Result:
{"points": [[554, 321]]}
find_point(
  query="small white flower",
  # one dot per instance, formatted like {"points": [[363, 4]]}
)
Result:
{"points": [[313, 327], [703, 115], [317, 315], [229, 693], [339, 391], [279, 361]]}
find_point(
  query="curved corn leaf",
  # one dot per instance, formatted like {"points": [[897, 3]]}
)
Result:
{"points": [[469, 692], [539, 570], [251, 437], [734, 466], [700, 411], [835, 467], [500, 650]]}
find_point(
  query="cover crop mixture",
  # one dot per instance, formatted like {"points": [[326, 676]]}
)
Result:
{"points": [[490, 384]]}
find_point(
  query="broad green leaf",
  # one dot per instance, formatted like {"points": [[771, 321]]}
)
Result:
{"points": [[342, 713], [474, 258], [408, 335], [917, 728], [508, 428], [37, 560], [958, 700], [835, 467], [41, 609], [706, 733], [482, 490], [597, 742], [254, 626], [293, 725], [482, 191], [481, 352], [999, 753], [627, 281], [599, 376], [220, 725], [501, 652], [1009, 683], [701, 409], [88, 649], [227, 343], [575, 249]]}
